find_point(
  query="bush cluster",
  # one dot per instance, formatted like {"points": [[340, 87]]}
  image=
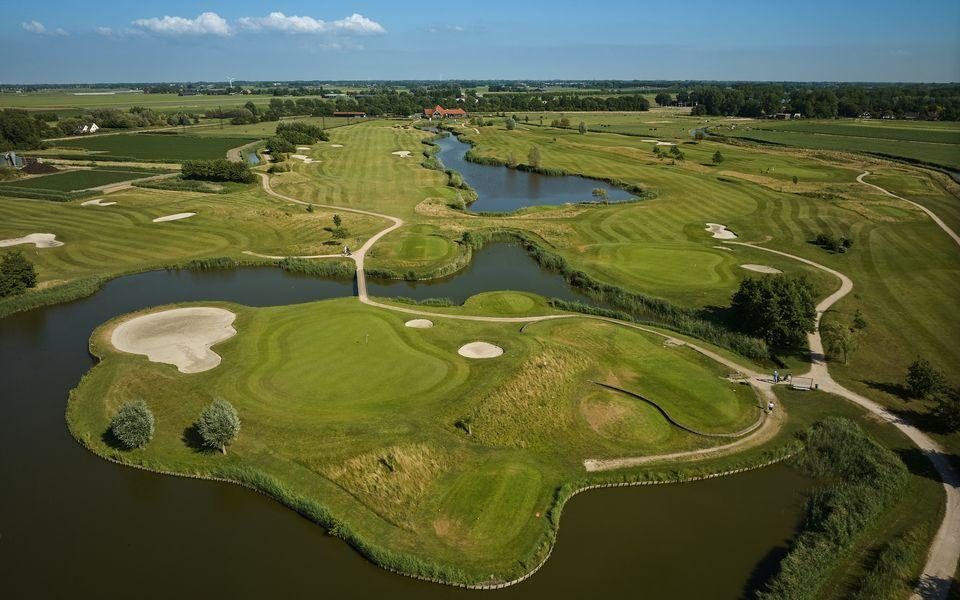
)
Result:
{"points": [[16, 274], [219, 169], [863, 479], [833, 243]]}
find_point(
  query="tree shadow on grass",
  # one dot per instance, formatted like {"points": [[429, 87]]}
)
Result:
{"points": [[112, 441], [893, 388], [191, 437], [917, 462]]}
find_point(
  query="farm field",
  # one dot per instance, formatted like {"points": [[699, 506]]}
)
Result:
{"points": [[926, 142], [79, 179], [150, 146]]}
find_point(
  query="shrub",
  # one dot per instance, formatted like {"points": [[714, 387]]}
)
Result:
{"points": [[132, 425], [326, 269], [219, 169], [218, 425], [778, 308], [16, 274], [924, 378], [279, 168], [863, 479], [299, 133], [280, 145]]}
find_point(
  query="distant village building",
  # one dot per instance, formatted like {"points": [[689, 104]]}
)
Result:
{"points": [[350, 114], [87, 128], [440, 112]]}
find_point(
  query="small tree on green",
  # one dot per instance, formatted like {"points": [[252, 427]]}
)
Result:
{"points": [[309, 208], [16, 274], [218, 425], [511, 160], [132, 425], [948, 408], [924, 378], [337, 221], [600, 194], [582, 128], [796, 180], [533, 157], [510, 123], [717, 158]]}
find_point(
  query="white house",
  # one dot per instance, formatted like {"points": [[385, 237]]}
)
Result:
{"points": [[91, 128]]}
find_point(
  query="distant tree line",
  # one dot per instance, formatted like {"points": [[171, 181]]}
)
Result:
{"points": [[921, 101]]}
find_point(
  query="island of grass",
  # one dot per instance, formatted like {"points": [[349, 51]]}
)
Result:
{"points": [[430, 463]]}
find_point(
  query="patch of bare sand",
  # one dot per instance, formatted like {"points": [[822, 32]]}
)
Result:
{"points": [[762, 269], [175, 217], [181, 337], [720, 231], [419, 323], [40, 240], [480, 350]]}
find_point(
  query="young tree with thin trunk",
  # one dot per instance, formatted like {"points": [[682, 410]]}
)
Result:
{"points": [[533, 157], [218, 425]]}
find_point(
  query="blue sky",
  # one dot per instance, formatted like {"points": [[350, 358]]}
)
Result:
{"points": [[56, 41]]}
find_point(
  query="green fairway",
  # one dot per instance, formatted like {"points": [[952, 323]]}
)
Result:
{"points": [[152, 146], [350, 410], [107, 241]]}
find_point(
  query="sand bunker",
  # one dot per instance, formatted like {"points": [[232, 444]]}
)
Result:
{"points": [[175, 217], [306, 159], [666, 144], [480, 350], [650, 141], [40, 240], [97, 202], [181, 337], [336, 145], [401, 153], [720, 231], [761, 269], [419, 323], [304, 148], [727, 248]]}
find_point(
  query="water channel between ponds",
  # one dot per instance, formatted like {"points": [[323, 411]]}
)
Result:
{"points": [[500, 189], [74, 525]]}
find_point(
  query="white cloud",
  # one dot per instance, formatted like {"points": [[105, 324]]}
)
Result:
{"points": [[441, 28], [277, 21], [208, 23], [105, 31], [34, 27], [40, 29]]}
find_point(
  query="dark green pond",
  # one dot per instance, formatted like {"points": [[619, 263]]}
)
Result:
{"points": [[500, 189], [75, 526]]}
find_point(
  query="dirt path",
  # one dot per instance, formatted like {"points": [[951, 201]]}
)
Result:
{"points": [[945, 550], [930, 213]]}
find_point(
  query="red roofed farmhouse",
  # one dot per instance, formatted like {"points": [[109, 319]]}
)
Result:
{"points": [[441, 113]]}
